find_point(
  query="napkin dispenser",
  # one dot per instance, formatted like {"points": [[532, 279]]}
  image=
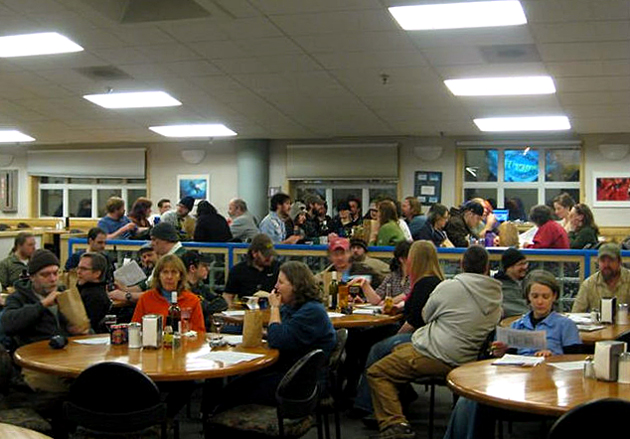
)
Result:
{"points": [[152, 331], [606, 359], [608, 307]]}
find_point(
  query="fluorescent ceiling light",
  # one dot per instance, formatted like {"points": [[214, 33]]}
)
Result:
{"points": [[143, 99], [525, 85], [45, 43], [459, 15], [200, 130], [536, 123], [13, 136]]}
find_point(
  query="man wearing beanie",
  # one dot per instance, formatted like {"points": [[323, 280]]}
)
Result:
{"points": [[181, 219], [31, 313], [514, 269], [164, 241]]}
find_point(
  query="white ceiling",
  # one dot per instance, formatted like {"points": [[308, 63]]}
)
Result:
{"points": [[309, 69]]}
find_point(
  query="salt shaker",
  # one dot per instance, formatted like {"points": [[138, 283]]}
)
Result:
{"points": [[624, 368], [622, 314], [589, 368]]}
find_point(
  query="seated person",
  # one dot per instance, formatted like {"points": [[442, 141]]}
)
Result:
{"points": [[341, 261], [433, 228], [91, 284], [584, 232], [32, 314], [14, 265], [388, 231], [211, 302], [550, 234], [397, 279], [259, 270], [298, 324], [359, 249], [96, 244], [514, 269], [472, 420], [148, 258], [169, 275], [462, 223]]}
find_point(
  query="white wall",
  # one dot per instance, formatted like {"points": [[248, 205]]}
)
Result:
{"points": [[595, 162]]}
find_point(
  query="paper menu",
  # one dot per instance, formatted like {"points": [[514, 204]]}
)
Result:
{"points": [[129, 274], [518, 360], [521, 339]]}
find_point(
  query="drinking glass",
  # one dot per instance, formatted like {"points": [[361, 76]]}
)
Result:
{"points": [[217, 322]]}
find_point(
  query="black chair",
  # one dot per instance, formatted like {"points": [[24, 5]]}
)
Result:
{"points": [[599, 418], [624, 336], [331, 398], [297, 396], [114, 398]]}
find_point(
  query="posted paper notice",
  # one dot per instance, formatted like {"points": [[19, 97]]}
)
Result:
{"points": [[520, 339]]}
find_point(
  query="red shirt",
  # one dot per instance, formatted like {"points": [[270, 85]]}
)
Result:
{"points": [[550, 235], [153, 302]]}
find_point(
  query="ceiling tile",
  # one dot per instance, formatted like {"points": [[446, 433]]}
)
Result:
{"points": [[336, 22]]}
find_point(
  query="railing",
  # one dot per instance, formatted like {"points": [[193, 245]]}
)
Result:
{"points": [[570, 267]]}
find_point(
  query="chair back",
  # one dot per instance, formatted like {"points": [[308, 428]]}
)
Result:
{"points": [[624, 336], [297, 393], [112, 387], [599, 418], [484, 352]]}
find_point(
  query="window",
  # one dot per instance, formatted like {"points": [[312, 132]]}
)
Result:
{"points": [[85, 197], [518, 178]]}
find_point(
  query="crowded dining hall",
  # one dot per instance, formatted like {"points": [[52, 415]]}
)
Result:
{"points": [[379, 218]]}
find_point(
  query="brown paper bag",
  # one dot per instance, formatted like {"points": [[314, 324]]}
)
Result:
{"points": [[71, 306], [252, 329]]}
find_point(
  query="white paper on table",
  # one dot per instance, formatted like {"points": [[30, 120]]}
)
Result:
{"points": [[590, 327], [93, 341], [367, 311], [518, 360], [234, 313], [568, 365], [580, 317], [335, 314], [130, 274], [230, 357], [518, 338], [527, 236]]}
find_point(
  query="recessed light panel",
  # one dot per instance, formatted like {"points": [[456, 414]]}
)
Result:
{"points": [[199, 130], [535, 123], [144, 99], [525, 85], [14, 136], [459, 15], [45, 43]]}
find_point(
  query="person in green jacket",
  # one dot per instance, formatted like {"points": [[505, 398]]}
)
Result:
{"points": [[12, 267], [585, 232], [388, 232]]}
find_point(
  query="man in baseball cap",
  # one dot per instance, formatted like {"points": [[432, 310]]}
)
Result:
{"points": [[513, 271], [612, 280]]}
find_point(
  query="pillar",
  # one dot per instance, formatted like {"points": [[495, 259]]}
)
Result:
{"points": [[252, 162]]}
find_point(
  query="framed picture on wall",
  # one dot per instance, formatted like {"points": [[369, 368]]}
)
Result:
{"points": [[196, 186], [611, 189]]}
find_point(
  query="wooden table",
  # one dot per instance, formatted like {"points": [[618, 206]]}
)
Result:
{"points": [[159, 364], [15, 432], [542, 389], [610, 332], [347, 321]]}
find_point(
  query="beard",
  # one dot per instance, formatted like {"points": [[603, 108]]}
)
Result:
{"points": [[609, 274]]}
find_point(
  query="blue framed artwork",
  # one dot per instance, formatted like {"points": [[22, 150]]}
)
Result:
{"points": [[196, 186]]}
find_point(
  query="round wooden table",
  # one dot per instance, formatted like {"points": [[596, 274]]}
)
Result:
{"points": [[187, 363], [15, 432], [609, 332], [543, 389], [346, 321]]}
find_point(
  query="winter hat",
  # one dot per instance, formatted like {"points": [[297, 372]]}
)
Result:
{"points": [[165, 232], [187, 202], [41, 259], [510, 257]]}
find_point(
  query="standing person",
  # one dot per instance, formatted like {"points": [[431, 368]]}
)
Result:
{"points": [[433, 228], [550, 234], [91, 272], [32, 314], [243, 225], [612, 280], [258, 272], [459, 315], [115, 223], [16, 264], [181, 218], [514, 269], [423, 267], [388, 232], [211, 226], [412, 212], [584, 232], [273, 224], [355, 210], [96, 240], [562, 205], [462, 222]]}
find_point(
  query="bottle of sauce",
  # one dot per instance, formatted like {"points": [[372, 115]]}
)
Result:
{"points": [[332, 292], [388, 305], [173, 322]]}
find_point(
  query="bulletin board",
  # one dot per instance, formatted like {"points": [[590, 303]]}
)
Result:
{"points": [[428, 187]]}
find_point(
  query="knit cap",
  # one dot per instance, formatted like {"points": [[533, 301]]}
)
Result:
{"points": [[41, 259], [510, 257]]}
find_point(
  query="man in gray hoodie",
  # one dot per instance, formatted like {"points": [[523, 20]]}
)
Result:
{"points": [[460, 314]]}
